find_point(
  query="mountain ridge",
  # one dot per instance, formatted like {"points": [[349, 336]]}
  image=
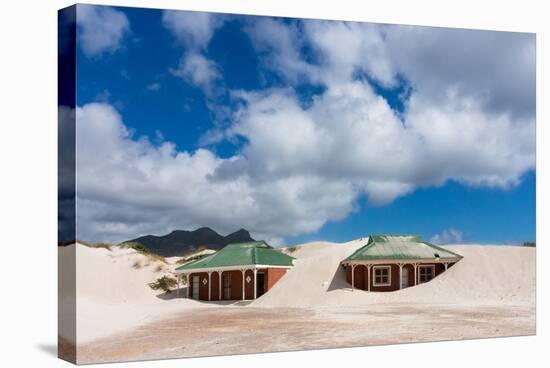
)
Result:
{"points": [[183, 242]]}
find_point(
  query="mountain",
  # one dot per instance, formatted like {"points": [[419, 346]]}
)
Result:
{"points": [[182, 242]]}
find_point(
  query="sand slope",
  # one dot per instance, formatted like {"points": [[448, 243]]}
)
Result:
{"points": [[113, 293], [486, 275]]}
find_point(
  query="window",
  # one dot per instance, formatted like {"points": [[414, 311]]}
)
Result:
{"points": [[382, 276], [426, 273]]}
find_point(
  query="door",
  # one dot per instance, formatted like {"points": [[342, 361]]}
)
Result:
{"points": [[196, 286], [405, 278], [227, 286], [260, 289]]}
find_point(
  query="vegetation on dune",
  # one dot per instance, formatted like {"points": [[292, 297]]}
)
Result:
{"points": [[190, 259], [140, 248], [529, 244], [291, 249], [164, 283], [136, 246]]}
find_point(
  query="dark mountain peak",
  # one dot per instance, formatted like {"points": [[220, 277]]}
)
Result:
{"points": [[204, 230], [239, 236], [182, 242]]}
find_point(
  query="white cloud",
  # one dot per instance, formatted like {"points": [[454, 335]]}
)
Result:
{"points": [[348, 47], [497, 69], [192, 29], [278, 45], [199, 71], [351, 134], [448, 236], [101, 29], [128, 186], [301, 165]]}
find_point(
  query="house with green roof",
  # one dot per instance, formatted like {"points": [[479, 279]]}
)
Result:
{"points": [[238, 271], [393, 262]]}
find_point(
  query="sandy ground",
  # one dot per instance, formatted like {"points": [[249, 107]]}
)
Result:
{"points": [[490, 293], [232, 330]]}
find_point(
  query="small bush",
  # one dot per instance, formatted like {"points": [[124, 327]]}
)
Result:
{"points": [[164, 283], [137, 247], [159, 268], [137, 265], [291, 249]]}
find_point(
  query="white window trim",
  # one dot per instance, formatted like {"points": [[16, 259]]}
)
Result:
{"points": [[420, 267], [374, 283]]}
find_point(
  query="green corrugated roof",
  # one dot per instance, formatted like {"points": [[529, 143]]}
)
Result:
{"points": [[241, 254], [395, 247]]}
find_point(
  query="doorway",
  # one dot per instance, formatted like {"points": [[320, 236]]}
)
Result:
{"points": [[404, 278], [260, 285], [195, 288], [227, 286]]}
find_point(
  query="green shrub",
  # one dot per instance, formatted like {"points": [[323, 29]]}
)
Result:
{"points": [[291, 249], [164, 283], [137, 247]]}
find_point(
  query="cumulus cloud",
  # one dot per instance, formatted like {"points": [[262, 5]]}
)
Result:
{"points": [[194, 30], [129, 186], [460, 122], [278, 46], [100, 29], [199, 71], [304, 165], [448, 236]]}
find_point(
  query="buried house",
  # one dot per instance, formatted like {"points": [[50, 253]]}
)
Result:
{"points": [[393, 262], [238, 271]]}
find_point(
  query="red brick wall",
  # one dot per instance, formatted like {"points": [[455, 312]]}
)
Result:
{"points": [[361, 277], [236, 284], [410, 269], [273, 275], [215, 286], [249, 286]]}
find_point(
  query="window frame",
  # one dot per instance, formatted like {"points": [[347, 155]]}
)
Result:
{"points": [[420, 267], [374, 268]]}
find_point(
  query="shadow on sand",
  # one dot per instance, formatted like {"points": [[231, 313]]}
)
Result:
{"points": [[181, 293], [338, 280]]}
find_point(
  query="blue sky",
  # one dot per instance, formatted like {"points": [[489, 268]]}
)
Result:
{"points": [[302, 130]]}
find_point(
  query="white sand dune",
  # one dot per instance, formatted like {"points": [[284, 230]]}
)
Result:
{"points": [[486, 275], [113, 293]]}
